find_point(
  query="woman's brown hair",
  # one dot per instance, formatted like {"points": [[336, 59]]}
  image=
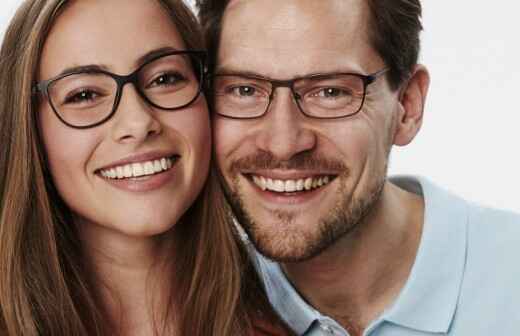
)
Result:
{"points": [[44, 289]]}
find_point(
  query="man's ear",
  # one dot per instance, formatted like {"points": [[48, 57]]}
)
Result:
{"points": [[412, 98]]}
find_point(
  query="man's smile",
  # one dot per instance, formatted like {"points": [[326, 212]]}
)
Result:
{"points": [[291, 185]]}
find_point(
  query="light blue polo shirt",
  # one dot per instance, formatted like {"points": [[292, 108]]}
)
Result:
{"points": [[465, 280]]}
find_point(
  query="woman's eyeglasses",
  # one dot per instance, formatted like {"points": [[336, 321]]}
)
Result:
{"points": [[88, 97]]}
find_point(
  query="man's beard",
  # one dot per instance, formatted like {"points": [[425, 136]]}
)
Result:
{"points": [[287, 243]]}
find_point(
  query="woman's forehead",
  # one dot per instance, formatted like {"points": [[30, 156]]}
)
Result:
{"points": [[112, 33]]}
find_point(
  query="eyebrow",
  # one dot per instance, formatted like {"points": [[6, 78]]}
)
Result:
{"points": [[102, 67], [153, 54], [84, 68], [231, 71]]}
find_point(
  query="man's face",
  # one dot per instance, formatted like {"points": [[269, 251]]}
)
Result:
{"points": [[264, 160]]}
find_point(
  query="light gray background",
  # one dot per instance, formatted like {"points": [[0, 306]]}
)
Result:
{"points": [[471, 129]]}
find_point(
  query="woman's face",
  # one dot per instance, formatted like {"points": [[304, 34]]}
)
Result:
{"points": [[172, 148]]}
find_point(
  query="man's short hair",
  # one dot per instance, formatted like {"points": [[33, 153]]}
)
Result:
{"points": [[394, 32]]}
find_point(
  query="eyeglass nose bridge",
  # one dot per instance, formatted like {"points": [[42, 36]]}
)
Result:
{"points": [[122, 81], [284, 84]]}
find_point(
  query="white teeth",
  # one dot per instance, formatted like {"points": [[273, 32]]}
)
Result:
{"points": [[300, 185], [279, 186], [127, 169], [157, 166], [148, 168], [263, 183], [120, 172], [308, 183], [269, 184], [288, 186], [260, 181], [314, 184], [137, 169]]}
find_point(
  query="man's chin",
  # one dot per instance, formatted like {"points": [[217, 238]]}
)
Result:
{"points": [[296, 237], [287, 254], [287, 242]]}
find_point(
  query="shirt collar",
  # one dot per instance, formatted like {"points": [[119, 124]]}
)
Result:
{"points": [[429, 298], [283, 297]]}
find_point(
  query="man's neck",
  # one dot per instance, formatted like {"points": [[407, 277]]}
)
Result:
{"points": [[358, 277]]}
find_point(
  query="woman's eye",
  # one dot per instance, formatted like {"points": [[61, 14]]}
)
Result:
{"points": [[81, 97], [167, 79]]}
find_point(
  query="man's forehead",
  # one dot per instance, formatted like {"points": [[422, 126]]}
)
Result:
{"points": [[317, 24], [284, 64], [294, 33]]}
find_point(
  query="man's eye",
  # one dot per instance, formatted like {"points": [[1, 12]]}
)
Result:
{"points": [[243, 91], [332, 92], [81, 97], [167, 79]]}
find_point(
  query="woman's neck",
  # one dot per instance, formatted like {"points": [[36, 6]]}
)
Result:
{"points": [[134, 277]]}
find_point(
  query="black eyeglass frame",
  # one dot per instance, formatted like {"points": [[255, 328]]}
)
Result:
{"points": [[121, 80], [276, 83]]}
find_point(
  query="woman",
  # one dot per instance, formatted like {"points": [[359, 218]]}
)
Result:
{"points": [[106, 225]]}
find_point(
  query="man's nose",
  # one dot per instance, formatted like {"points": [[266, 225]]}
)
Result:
{"points": [[285, 132], [135, 120]]}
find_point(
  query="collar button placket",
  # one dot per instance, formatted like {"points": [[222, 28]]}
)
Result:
{"points": [[328, 329]]}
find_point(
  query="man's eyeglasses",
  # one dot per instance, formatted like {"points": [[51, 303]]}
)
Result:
{"points": [[321, 96], [87, 98]]}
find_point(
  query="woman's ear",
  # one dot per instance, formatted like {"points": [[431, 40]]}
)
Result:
{"points": [[412, 98]]}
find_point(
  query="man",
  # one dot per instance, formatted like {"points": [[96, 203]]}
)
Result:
{"points": [[309, 98]]}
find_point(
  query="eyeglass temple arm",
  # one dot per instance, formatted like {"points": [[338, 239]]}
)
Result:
{"points": [[372, 77]]}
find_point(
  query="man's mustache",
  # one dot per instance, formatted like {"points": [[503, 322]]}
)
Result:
{"points": [[301, 161]]}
